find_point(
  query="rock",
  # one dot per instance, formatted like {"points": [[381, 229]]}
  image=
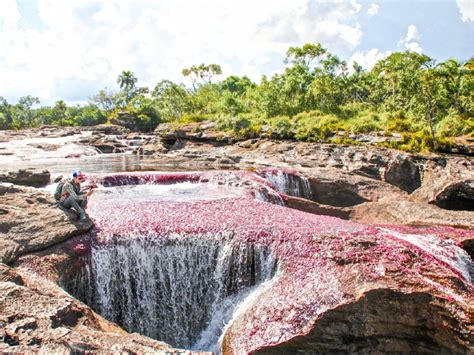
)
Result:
{"points": [[197, 131], [8, 274], [31, 220], [316, 208], [27, 177], [108, 129], [339, 189], [45, 146], [410, 213], [404, 172], [332, 285], [39, 316], [448, 184], [360, 327]]}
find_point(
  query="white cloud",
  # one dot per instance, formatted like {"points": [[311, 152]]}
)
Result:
{"points": [[367, 59], [466, 7], [411, 40], [82, 46], [373, 9]]}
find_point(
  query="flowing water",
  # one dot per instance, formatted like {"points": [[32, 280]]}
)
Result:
{"points": [[180, 289], [179, 256]]}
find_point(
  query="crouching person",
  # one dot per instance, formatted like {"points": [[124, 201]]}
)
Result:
{"points": [[69, 195]]}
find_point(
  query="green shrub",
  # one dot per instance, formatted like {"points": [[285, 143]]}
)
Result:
{"points": [[455, 125], [315, 126], [369, 122], [282, 126]]}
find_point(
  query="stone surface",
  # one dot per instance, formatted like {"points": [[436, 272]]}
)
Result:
{"points": [[37, 315], [417, 324], [342, 189], [30, 220], [27, 177], [404, 172], [411, 213], [448, 183], [340, 285], [305, 205]]}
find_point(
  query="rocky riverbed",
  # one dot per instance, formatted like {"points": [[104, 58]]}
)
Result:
{"points": [[373, 247]]}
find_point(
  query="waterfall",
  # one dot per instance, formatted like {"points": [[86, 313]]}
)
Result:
{"points": [[179, 289], [289, 183]]}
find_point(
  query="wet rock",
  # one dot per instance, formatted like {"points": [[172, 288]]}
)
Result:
{"points": [[30, 220], [39, 316], [27, 177], [339, 286], [109, 129], [45, 146]]}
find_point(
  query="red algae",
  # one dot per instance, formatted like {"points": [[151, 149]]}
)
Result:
{"points": [[319, 257]]}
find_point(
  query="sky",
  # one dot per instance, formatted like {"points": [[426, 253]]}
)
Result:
{"points": [[70, 49]]}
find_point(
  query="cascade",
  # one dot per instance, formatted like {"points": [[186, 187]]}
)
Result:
{"points": [[288, 182], [181, 257], [180, 289]]}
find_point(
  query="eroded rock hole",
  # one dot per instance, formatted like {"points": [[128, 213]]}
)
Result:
{"points": [[181, 290]]}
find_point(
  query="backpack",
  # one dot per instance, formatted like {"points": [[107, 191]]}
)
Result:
{"points": [[59, 190]]}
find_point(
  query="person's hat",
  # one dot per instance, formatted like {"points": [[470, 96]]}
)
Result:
{"points": [[78, 174]]}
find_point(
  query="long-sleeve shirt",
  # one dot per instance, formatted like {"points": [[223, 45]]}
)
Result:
{"points": [[72, 189]]}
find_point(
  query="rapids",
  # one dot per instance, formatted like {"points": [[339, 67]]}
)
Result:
{"points": [[180, 256]]}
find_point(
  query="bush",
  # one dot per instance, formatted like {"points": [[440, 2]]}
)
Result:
{"points": [[282, 127], [315, 126], [240, 126], [455, 125], [90, 116], [366, 123]]}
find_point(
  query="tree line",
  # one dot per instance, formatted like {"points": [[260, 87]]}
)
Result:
{"points": [[316, 97]]}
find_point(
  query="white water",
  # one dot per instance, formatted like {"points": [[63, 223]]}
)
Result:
{"points": [[444, 250], [293, 185], [182, 192], [178, 289], [29, 149]]}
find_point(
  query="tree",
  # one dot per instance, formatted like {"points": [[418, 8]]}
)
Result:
{"points": [[22, 114], [105, 100], [458, 82], [397, 79], [305, 55], [172, 99], [127, 82], [202, 72], [431, 100], [6, 119]]}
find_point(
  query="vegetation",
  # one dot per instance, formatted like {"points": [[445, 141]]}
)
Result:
{"points": [[315, 98]]}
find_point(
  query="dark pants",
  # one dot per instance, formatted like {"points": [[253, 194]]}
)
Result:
{"points": [[78, 205]]}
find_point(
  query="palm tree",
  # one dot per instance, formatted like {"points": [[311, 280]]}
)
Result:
{"points": [[127, 81]]}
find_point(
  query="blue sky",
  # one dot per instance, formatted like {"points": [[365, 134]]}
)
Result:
{"points": [[69, 50]]}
